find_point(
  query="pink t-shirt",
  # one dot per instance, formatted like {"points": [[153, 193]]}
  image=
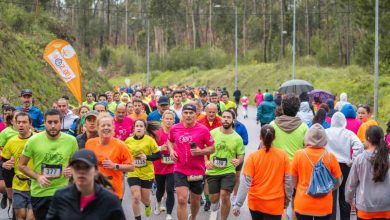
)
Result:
{"points": [[160, 168], [259, 98], [85, 200], [244, 101], [123, 129], [182, 137], [353, 125], [2, 126], [388, 140]]}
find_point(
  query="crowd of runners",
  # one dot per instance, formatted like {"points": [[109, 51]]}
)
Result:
{"points": [[73, 162]]}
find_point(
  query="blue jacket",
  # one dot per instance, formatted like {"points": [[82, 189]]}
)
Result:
{"points": [[266, 110], [36, 115], [156, 116], [241, 130]]}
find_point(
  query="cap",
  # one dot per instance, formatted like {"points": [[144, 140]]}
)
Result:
{"points": [[213, 94], [86, 156], [189, 107], [163, 100], [25, 92], [91, 113], [203, 93], [7, 107]]}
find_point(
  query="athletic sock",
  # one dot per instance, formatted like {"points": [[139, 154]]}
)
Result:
{"points": [[207, 198], [214, 206], [137, 217]]}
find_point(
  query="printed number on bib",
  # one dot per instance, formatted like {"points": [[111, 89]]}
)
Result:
{"points": [[51, 171], [220, 162], [139, 162], [193, 178], [166, 159]]}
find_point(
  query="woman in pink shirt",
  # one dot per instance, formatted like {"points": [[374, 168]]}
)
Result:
{"points": [[353, 124], [259, 98]]}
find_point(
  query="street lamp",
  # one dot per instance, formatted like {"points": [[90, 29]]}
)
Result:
{"points": [[235, 44]]}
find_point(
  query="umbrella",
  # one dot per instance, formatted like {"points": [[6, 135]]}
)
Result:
{"points": [[322, 94], [296, 86]]}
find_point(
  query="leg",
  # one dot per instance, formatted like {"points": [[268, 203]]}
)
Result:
{"points": [[40, 206], [182, 196], [225, 207], [345, 208], [256, 215], [170, 202], [160, 182], [21, 214], [136, 199], [195, 204], [206, 196], [30, 215], [304, 217], [335, 203], [145, 196]]}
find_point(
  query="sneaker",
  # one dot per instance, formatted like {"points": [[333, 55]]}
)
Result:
{"points": [[156, 210], [169, 217], [189, 216], [4, 200], [213, 215], [163, 208], [207, 206], [148, 211]]}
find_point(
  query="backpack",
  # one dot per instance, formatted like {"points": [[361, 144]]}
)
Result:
{"points": [[322, 181]]}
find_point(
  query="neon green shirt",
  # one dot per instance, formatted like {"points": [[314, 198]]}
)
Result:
{"points": [[89, 105], [230, 104], [6, 134], [50, 158], [112, 107], [227, 148]]}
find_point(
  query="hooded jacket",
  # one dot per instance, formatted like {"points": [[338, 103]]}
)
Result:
{"points": [[342, 140], [68, 120], [349, 112], [342, 102], [266, 110], [305, 113]]}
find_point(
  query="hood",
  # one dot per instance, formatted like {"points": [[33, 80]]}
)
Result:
{"points": [[338, 120], [268, 97], [287, 123], [70, 115], [330, 103], [348, 111], [343, 97]]}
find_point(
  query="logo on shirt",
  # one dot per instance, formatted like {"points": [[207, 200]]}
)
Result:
{"points": [[185, 138]]}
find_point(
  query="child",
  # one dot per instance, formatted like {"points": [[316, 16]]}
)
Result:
{"points": [[244, 103]]}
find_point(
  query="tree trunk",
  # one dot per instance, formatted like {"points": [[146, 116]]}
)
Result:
{"points": [[244, 30], [108, 22], [210, 28], [264, 31], [282, 48], [307, 28]]}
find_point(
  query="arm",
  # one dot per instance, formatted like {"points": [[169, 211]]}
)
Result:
{"points": [[288, 189], [238, 161], [357, 146], [43, 181], [245, 183], [205, 151], [154, 156], [172, 151], [351, 184]]}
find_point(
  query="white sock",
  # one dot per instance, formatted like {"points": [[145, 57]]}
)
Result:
{"points": [[214, 206]]}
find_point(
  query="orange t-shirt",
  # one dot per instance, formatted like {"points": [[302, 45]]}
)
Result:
{"points": [[118, 153], [363, 129], [267, 170], [371, 215], [302, 169], [140, 116]]}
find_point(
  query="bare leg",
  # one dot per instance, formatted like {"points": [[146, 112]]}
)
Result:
{"points": [[195, 204], [225, 206], [182, 196], [136, 199]]}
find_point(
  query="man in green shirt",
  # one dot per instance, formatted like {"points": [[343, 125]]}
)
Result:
{"points": [[90, 101], [221, 168], [50, 152]]}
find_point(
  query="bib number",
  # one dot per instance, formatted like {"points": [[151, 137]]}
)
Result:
{"points": [[220, 162], [51, 171], [193, 178], [139, 162], [166, 159]]}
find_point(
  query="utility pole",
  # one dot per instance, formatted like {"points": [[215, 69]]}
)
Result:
{"points": [[235, 50], [147, 54], [126, 17], [376, 74], [293, 64]]}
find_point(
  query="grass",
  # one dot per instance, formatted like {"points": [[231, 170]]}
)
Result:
{"points": [[357, 82]]}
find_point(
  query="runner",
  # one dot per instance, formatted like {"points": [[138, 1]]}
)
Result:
{"points": [[112, 154], [116, 97], [369, 179], [21, 198], [320, 119], [50, 162], [138, 95], [163, 168], [227, 102], [26, 96], [122, 123], [177, 106], [220, 174], [211, 121], [129, 108], [138, 112], [77, 127], [237, 96], [90, 128], [110, 102], [85, 198], [214, 98], [90, 100], [204, 98], [343, 101], [100, 107], [364, 115], [266, 110], [6, 110], [259, 97], [145, 151], [189, 141], [305, 113], [353, 124], [245, 103], [267, 180], [68, 117], [163, 105]]}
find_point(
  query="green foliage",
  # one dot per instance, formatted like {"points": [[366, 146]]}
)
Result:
{"points": [[105, 55]]}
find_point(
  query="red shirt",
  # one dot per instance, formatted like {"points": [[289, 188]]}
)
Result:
{"points": [[215, 124]]}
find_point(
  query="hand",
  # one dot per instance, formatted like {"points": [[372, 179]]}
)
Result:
{"points": [[142, 156], [209, 165], [108, 164], [68, 172], [9, 164], [43, 181], [236, 162], [163, 147], [173, 155], [196, 152], [236, 210]]}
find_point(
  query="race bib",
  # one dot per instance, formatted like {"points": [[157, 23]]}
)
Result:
{"points": [[193, 178], [51, 171], [139, 162], [220, 162], [166, 159]]}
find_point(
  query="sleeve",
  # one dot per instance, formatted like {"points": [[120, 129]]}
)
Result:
{"points": [[240, 146], [352, 183], [6, 152], [362, 133], [2, 139], [244, 135], [52, 212], [249, 168], [28, 149], [288, 182], [126, 157], [154, 146], [170, 136], [245, 183], [335, 167], [208, 139], [294, 166], [356, 145], [73, 128]]}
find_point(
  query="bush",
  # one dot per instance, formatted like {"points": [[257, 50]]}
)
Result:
{"points": [[105, 55]]}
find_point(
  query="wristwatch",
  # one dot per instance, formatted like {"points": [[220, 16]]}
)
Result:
{"points": [[117, 167]]}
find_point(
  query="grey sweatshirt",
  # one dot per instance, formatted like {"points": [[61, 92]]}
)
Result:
{"points": [[370, 196]]}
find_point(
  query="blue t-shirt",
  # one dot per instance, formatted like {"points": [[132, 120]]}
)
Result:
{"points": [[156, 116]]}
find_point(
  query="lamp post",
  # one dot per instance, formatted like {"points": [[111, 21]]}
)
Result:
{"points": [[235, 43], [376, 77]]}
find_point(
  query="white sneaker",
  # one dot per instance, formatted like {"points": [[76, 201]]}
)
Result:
{"points": [[213, 215], [189, 216], [156, 210], [169, 217], [163, 208]]}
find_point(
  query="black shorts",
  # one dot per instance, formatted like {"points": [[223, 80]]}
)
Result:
{"points": [[239, 167], [181, 180], [40, 206], [135, 181], [218, 182], [1, 174]]}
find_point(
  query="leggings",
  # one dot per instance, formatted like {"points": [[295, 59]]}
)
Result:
{"points": [[256, 215], [165, 182], [310, 217]]}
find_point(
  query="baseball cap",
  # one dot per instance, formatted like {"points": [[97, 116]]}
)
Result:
{"points": [[189, 107], [86, 156], [7, 107], [25, 92], [213, 94], [91, 113], [163, 100], [203, 93]]}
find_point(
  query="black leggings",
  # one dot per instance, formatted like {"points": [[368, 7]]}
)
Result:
{"points": [[166, 182], [345, 208], [310, 217], [256, 215]]}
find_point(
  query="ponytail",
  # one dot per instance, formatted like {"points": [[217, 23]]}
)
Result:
{"points": [[380, 160], [267, 135]]}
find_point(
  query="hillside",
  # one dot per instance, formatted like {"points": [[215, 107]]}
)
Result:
{"points": [[355, 81], [23, 38]]}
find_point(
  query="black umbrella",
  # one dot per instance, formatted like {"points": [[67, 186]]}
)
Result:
{"points": [[296, 86]]}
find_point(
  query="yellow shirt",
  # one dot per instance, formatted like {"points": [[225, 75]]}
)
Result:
{"points": [[363, 129], [147, 145], [230, 104], [14, 148]]}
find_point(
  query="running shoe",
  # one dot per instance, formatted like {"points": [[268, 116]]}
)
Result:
{"points": [[162, 208], [213, 215], [156, 210], [148, 211], [207, 206], [169, 217], [4, 200], [189, 216]]}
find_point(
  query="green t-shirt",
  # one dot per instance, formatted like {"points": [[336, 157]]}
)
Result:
{"points": [[90, 105], [6, 134], [14, 148], [147, 145], [227, 148], [112, 106], [50, 157], [289, 142]]}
